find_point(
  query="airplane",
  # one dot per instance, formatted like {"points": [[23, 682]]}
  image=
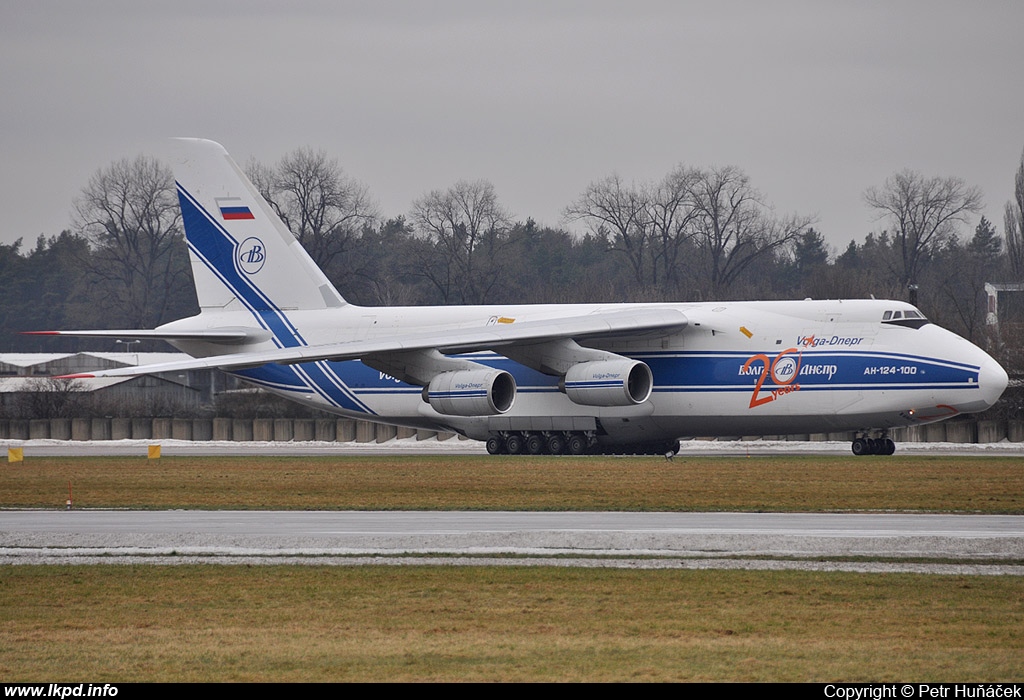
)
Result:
{"points": [[558, 379]]}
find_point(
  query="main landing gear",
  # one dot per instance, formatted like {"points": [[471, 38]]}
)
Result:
{"points": [[864, 444], [540, 442]]}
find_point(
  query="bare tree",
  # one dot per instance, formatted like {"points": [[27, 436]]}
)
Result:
{"points": [[713, 213], [621, 214], [320, 205], [51, 398], [129, 213], [464, 229], [924, 213], [649, 222], [672, 214], [733, 227], [1013, 220]]}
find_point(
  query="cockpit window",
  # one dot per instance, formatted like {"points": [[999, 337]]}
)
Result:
{"points": [[910, 318]]}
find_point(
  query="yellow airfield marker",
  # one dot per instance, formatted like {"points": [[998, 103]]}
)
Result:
{"points": [[15, 454], [154, 451]]}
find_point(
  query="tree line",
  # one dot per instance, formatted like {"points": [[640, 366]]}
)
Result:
{"points": [[697, 234]]}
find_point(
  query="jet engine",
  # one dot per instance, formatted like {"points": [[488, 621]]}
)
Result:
{"points": [[622, 382], [476, 392]]}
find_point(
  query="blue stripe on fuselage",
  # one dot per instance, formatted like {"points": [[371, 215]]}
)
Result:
{"points": [[718, 372], [841, 370]]}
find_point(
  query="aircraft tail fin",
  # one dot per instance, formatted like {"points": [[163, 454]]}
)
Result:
{"points": [[242, 254]]}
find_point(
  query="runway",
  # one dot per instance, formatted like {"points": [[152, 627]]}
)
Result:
{"points": [[948, 544]]}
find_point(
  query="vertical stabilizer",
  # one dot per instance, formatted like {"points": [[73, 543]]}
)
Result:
{"points": [[242, 255]]}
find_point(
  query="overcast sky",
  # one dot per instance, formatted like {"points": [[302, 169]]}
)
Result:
{"points": [[816, 100]]}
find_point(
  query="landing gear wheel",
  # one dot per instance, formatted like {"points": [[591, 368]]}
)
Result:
{"points": [[495, 445], [577, 444], [514, 444], [873, 446], [556, 444], [535, 444]]}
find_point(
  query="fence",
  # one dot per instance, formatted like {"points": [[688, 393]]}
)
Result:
{"points": [[202, 429], [347, 430]]}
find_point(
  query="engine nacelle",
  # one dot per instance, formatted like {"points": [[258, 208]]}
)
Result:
{"points": [[475, 392], [608, 383]]}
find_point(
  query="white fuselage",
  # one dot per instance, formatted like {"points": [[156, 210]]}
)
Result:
{"points": [[737, 368]]}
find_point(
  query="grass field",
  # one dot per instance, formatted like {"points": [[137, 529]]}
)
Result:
{"points": [[233, 623], [318, 623], [439, 482]]}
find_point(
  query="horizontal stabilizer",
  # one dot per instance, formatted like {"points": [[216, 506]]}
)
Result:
{"points": [[233, 335]]}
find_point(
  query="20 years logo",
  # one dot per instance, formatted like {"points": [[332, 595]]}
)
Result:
{"points": [[783, 371]]}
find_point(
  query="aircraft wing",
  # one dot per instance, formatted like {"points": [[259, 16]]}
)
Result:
{"points": [[601, 324]]}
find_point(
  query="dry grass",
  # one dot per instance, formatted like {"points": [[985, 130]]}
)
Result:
{"points": [[773, 483], [99, 624]]}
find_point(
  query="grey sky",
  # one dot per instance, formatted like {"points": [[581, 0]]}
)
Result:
{"points": [[816, 101]]}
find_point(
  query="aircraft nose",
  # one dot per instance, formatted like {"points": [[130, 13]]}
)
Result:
{"points": [[992, 380]]}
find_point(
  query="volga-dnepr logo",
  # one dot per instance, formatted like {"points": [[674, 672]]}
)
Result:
{"points": [[251, 255], [784, 369]]}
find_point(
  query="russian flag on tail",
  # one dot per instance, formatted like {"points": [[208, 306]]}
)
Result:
{"points": [[232, 209]]}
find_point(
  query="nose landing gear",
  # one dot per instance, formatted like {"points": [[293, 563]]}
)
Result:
{"points": [[864, 444]]}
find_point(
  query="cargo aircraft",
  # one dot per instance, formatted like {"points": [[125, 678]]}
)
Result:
{"points": [[531, 379]]}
